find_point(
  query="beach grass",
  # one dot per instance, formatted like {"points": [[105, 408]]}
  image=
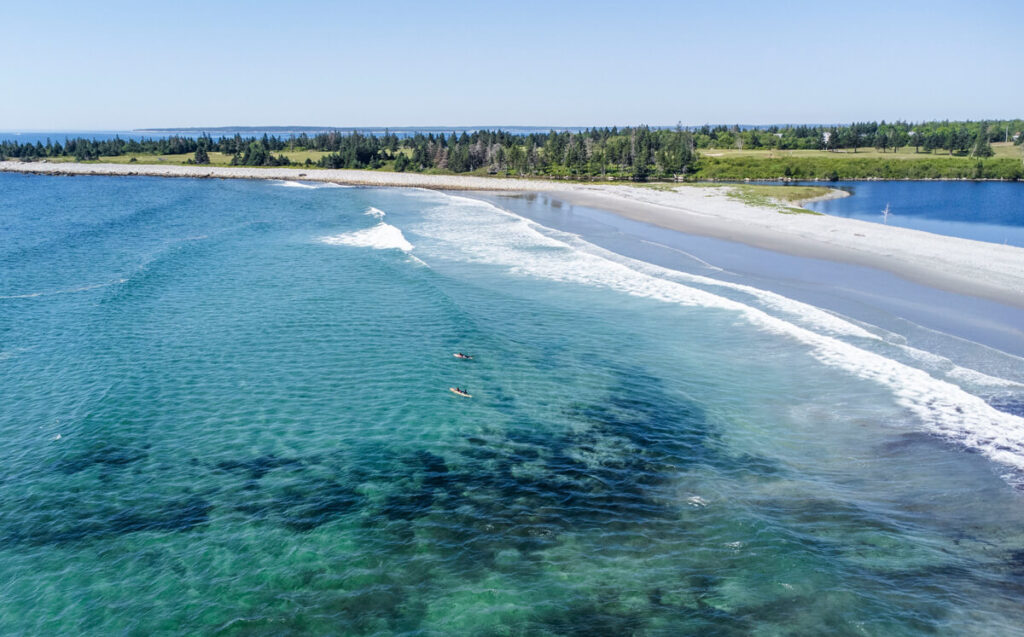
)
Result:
{"points": [[784, 199], [781, 198], [787, 194]]}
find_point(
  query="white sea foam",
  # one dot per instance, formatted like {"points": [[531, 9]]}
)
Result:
{"points": [[975, 377], [509, 240], [307, 185], [944, 366], [382, 236], [807, 314], [375, 212]]}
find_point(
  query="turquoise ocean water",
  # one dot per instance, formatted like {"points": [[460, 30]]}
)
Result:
{"points": [[224, 409]]}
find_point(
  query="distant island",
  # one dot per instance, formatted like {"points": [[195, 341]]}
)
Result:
{"points": [[868, 150]]}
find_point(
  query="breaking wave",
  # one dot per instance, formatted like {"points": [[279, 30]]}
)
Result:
{"points": [[307, 185], [382, 236], [940, 405]]}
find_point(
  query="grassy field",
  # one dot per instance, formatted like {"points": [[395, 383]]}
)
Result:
{"points": [[738, 165], [1001, 149]]}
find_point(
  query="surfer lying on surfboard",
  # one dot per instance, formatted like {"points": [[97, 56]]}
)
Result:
{"points": [[461, 355], [460, 391]]}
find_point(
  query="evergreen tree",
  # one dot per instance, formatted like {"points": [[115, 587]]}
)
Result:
{"points": [[201, 156], [881, 139], [982, 147]]}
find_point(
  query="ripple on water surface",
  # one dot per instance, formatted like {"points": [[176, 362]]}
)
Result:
{"points": [[256, 437]]}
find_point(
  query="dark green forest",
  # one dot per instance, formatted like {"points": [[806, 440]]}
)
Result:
{"points": [[632, 153], [636, 153]]}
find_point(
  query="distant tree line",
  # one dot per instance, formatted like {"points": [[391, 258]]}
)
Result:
{"points": [[955, 138], [635, 153]]}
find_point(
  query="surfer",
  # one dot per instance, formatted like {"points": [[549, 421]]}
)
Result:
{"points": [[462, 356]]}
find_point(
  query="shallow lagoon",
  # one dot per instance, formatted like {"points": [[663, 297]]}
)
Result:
{"points": [[983, 211]]}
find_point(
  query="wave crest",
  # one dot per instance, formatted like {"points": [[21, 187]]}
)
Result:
{"points": [[382, 236], [285, 183], [526, 248]]}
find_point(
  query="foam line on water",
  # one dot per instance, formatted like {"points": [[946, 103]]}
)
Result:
{"points": [[956, 372], [84, 288], [1011, 365], [809, 314], [375, 212], [506, 239], [382, 236], [824, 320], [685, 253], [284, 183], [806, 313]]}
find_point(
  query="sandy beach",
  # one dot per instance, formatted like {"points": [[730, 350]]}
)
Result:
{"points": [[338, 176], [985, 270]]}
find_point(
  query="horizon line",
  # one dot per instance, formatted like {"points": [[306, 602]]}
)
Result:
{"points": [[442, 127]]}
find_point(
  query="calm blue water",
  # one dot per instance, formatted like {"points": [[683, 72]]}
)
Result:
{"points": [[224, 407], [984, 211]]}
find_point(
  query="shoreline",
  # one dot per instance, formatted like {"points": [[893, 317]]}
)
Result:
{"points": [[328, 175], [963, 266], [974, 268], [143, 169]]}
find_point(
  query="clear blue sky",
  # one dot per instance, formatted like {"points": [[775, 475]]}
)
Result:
{"points": [[119, 65]]}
